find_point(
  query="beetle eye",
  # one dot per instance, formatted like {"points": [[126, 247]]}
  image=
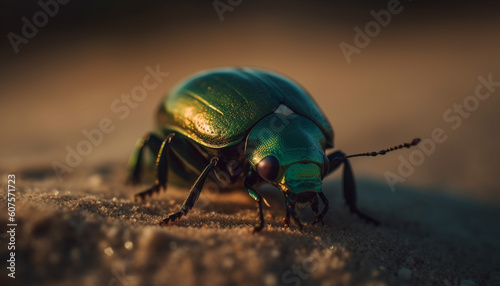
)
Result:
{"points": [[268, 168], [326, 165]]}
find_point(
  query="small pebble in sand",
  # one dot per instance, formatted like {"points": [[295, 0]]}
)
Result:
{"points": [[211, 242], [275, 253], [270, 279], [108, 251], [404, 273], [228, 263], [129, 245], [95, 180]]}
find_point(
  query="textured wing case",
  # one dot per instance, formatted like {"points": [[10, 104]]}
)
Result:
{"points": [[217, 108]]}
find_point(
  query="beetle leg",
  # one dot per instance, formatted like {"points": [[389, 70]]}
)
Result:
{"points": [[259, 227], [290, 211], [349, 188], [320, 216], [249, 181], [153, 142], [314, 205], [295, 217], [161, 169], [286, 219], [194, 193], [261, 218]]}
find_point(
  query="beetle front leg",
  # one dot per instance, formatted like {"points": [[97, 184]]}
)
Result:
{"points": [[320, 216], [290, 211], [286, 219], [194, 193], [249, 182], [258, 198], [314, 205]]}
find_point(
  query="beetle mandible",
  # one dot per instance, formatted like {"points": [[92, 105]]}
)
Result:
{"points": [[263, 123]]}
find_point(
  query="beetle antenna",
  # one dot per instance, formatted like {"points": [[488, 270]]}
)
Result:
{"points": [[383, 152]]}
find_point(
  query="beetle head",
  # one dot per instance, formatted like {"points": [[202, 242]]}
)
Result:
{"points": [[288, 152]]}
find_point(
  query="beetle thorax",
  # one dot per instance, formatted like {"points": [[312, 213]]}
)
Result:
{"points": [[296, 144]]}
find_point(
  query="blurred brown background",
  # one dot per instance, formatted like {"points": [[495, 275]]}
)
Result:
{"points": [[427, 59]]}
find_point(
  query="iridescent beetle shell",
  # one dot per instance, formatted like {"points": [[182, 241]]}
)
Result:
{"points": [[274, 114], [218, 108]]}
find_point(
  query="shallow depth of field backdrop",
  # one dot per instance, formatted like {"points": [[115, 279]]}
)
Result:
{"points": [[401, 82]]}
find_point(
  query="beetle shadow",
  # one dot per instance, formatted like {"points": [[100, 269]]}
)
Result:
{"points": [[416, 226], [420, 229]]}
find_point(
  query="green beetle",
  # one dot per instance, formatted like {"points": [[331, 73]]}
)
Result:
{"points": [[245, 126]]}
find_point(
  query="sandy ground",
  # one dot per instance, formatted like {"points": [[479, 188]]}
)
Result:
{"points": [[90, 232]]}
